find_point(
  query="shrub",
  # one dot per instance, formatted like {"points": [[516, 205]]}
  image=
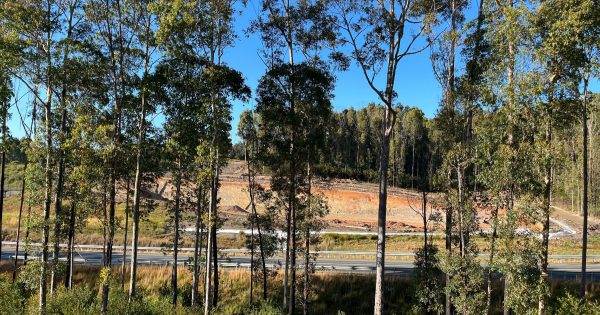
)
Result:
{"points": [[11, 300], [571, 305]]}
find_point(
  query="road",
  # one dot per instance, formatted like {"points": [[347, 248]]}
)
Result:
{"points": [[397, 267]]}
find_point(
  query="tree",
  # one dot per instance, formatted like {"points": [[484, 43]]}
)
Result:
{"points": [[145, 36], [292, 29], [248, 131], [285, 127], [375, 33]]}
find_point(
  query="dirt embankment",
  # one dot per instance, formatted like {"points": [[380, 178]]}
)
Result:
{"points": [[352, 205]]}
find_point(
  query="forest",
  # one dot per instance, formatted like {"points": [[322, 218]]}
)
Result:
{"points": [[119, 152]]}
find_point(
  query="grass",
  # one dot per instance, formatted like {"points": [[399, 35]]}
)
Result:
{"points": [[332, 293]]}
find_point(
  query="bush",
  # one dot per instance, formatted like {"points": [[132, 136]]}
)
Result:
{"points": [[11, 300], [571, 305], [79, 300]]}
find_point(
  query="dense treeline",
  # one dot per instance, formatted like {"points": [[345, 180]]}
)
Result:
{"points": [[113, 95], [353, 145]]}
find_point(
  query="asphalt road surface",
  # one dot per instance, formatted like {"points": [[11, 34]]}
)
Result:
{"points": [[567, 271]]}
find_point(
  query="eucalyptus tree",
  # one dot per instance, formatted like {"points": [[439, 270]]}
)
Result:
{"points": [[285, 125], [37, 26], [507, 33], [201, 89], [292, 31], [144, 35], [113, 30], [587, 21], [84, 147], [67, 78], [7, 52], [248, 131], [5, 96], [560, 51], [457, 151], [202, 31], [379, 35]]}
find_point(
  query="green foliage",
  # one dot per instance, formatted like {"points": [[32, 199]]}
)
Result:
{"points": [[466, 283], [572, 305], [428, 276], [12, 300]]}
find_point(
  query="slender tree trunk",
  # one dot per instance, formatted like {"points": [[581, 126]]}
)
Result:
{"points": [[210, 253], [61, 157], [28, 218], [22, 200], [491, 259], [138, 178], [449, 225], [388, 123], [110, 238], [46, 224], [292, 293], [461, 210], [27, 225], [123, 261], [197, 245], [58, 197], [251, 185], [104, 221], [207, 282], [215, 248], [174, 287], [70, 248], [546, 207], [2, 168], [306, 293], [252, 221], [47, 170], [425, 236], [412, 165], [119, 93], [583, 287], [287, 258], [290, 258], [251, 262]]}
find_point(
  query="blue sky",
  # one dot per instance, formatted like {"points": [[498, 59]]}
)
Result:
{"points": [[415, 83]]}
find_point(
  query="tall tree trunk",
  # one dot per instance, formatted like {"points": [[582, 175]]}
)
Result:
{"points": [[61, 156], [104, 221], [27, 225], [215, 248], [388, 123], [449, 225], [123, 260], [251, 186], [28, 218], [110, 238], [70, 248], [292, 293], [48, 167], [252, 222], [119, 93], [59, 195], [174, 287], [2, 168], [491, 258], [197, 246], [583, 287], [21, 201], [136, 199], [546, 204], [211, 240], [306, 292]]}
